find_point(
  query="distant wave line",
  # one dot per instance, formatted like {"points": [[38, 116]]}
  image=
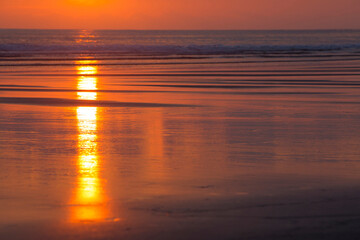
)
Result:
{"points": [[191, 49], [96, 57], [175, 63]]}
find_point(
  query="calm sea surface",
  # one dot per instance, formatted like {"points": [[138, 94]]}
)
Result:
{"points": [[109, 134]]}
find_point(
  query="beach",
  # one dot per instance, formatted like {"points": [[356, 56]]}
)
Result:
{"points": [[179, 135]]}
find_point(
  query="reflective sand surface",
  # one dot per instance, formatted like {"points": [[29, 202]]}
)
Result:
{"points": [[91, 151]]}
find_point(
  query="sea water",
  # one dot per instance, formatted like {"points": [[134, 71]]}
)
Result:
{"points": [[145, 129]]}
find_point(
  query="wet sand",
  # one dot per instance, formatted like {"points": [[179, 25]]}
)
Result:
{"points": [[323, 213], [240, 150]]}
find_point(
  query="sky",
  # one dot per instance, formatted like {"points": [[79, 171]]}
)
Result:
{"points": [[180, 14]]}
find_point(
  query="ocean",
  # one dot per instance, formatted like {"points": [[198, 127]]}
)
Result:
{"points": [[109, 134]]}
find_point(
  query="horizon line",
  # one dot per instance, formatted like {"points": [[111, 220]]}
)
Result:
{"points": [[132, 29]]}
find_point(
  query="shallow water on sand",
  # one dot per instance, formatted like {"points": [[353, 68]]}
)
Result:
{"points": [[95, 151]]}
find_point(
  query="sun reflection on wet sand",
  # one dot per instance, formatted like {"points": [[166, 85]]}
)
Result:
{"points": [[89, 198]]}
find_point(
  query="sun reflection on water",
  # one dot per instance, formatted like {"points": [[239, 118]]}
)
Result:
{"points": [[87, 82], [89, 198], [86, 36]]}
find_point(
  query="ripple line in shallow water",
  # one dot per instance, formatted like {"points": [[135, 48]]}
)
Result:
{"points": [[180, 92], [193, 75], [63, 102]]}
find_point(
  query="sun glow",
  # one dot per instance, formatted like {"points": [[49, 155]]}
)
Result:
{"points": [[87, 3]]}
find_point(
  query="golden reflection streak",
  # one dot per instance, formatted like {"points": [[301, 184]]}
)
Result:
{"points": [[89, 197], [86, 37]]}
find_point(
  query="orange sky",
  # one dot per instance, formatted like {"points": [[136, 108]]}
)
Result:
{"points": [[180, 14]]}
